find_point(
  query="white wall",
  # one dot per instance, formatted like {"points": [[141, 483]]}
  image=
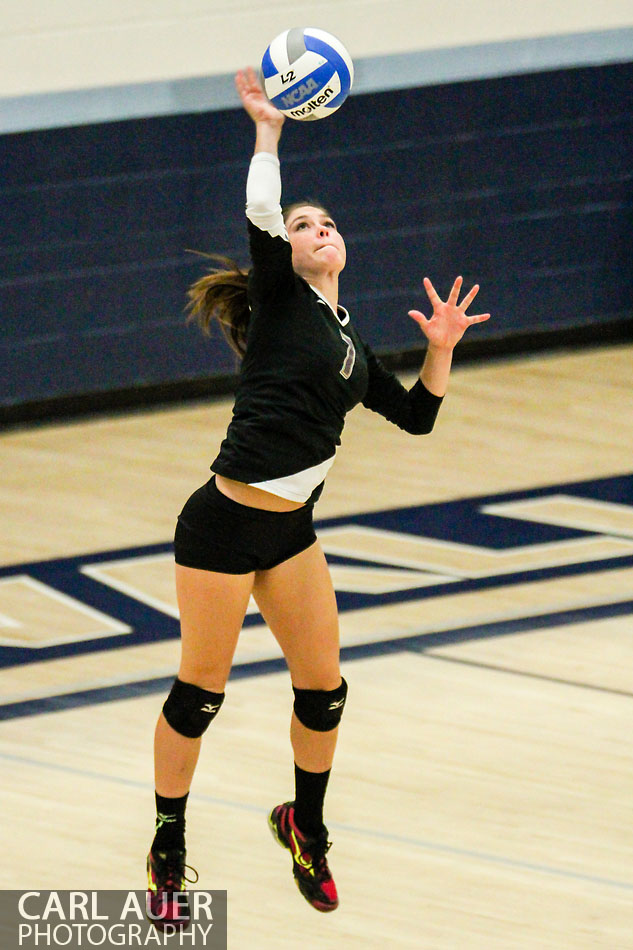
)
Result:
{"points": [[55, 45]]}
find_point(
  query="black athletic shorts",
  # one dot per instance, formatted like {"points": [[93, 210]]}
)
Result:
{"points": [[215, 533]]}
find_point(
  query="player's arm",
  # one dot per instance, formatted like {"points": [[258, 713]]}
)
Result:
{"points": [[414, 410], [270, 250], [263, 186]]}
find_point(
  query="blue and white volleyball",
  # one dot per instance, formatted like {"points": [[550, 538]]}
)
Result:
{"points": [[307, 73]]}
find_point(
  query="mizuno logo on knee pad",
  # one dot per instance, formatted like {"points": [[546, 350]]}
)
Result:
{"points": [[189, 709], [320, 709], [337, 704]]}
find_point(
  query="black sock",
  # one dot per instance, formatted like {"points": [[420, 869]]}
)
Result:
{"points": [[309, 797], [170, 823]]}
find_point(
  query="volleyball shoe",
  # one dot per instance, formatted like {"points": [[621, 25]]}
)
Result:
{"points": [[309, 862], [167, 901]]}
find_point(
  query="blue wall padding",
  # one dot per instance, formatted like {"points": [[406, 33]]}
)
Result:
{"points": [[522, 184]]}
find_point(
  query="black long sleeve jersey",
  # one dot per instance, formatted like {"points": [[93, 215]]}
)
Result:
{"points": [[305, 367]]}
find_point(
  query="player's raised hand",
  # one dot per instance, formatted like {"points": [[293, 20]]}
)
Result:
{"points": [[254, 100], [448, 322]]}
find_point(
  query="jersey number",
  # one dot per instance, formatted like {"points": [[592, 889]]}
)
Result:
{"points": [[350, 357]]}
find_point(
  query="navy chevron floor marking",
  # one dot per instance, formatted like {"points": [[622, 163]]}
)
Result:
{"points": [[460, 521]]}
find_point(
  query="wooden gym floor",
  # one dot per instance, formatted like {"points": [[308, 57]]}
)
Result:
{"points": [[481, 796]]}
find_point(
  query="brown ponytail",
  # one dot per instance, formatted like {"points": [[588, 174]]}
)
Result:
{"points": [[221, 295]]}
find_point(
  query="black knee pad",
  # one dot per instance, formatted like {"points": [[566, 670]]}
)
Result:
{"points": [[320, 709], [189, 709]]}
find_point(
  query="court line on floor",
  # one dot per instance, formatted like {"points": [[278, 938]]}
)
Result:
{"points": [[483, 856], [478, 664], [434, 847]]}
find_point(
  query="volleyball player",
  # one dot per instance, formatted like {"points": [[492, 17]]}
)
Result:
{"points": [[249, 530]]}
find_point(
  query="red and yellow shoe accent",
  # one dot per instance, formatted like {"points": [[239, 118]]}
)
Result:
{"points": [[166, 889], [309, 863]]}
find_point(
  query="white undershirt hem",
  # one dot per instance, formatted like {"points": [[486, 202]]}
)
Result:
{"points": [[297, 487]]}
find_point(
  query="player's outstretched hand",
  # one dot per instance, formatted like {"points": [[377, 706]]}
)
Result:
{"points": [[254, 99], [448, 322]]}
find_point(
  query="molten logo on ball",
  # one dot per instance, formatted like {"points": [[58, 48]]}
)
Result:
{"points": [[304, 111]]}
